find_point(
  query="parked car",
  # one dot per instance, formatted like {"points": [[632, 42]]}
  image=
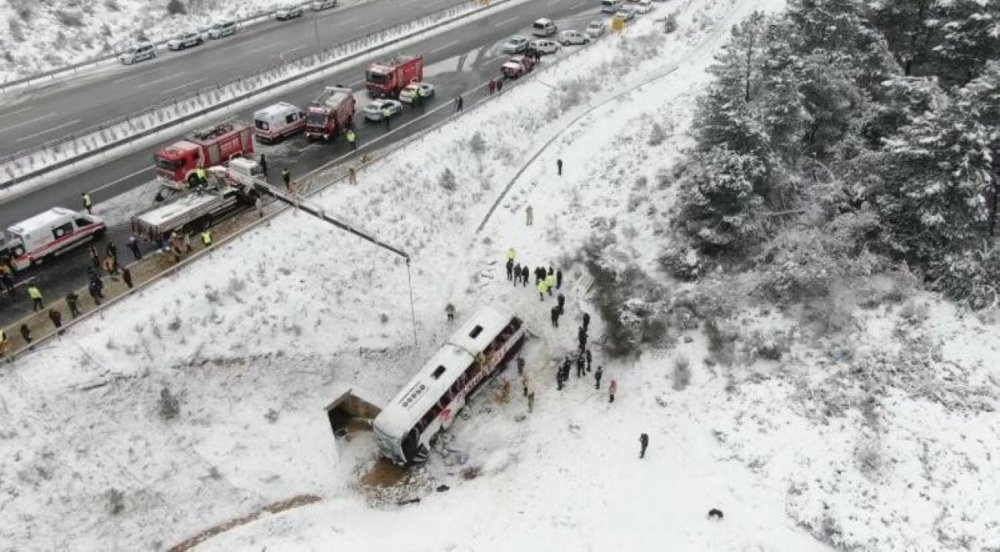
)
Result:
{"points": [[409, 91], [567, 38], [318, 5], [374, 110], [643, 6], [596, 29], [137, 52], [610, 6], [222, 29], [544, 46], [627, 13], [288, 11], [514, 45], [184, 40], [205, 32], [544, 27]]}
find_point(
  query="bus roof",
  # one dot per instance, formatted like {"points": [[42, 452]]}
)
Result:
{"points": [[437, 375], [490, 320]]}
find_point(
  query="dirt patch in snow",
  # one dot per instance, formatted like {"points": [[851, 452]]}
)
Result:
{"points": [[274, 508]]}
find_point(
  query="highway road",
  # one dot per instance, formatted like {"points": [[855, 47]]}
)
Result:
{"points": [[71, 105], [457, 62]]}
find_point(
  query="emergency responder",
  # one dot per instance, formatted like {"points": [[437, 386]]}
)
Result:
{"points": [[206, 237], [550, 282], [286, 177], [133, 246], [26, 333], [643, 443], [524, 275], [449, 310], [597, 377], [541, 290], [352, 139], [87, 202], [36, 298], [263, 164], [528, 215], [127, 276], [72, 300], [555, 316], [421, 97], [56, 318], [558, 278], [559, 166], [200, 174], [387, 117]]}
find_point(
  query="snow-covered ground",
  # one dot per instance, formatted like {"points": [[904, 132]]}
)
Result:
{"points": [[254, 341], [40, 36]]}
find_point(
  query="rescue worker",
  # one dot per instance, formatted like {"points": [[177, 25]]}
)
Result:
{"points": [[559, 166], [110, 265], [133, 246], [127, 276], [96, 289], [387, 117], [421, 97], [461, 102], [26, 333], [8, 280], [589, 358], [493, 86], [510, 269], [206, 237], [531, 402], [517, 273], [550, 282], [581, 336], [36, 298], [199, 173], [554, 314], [612, 389], [87, 202], [95, 259], [558, 278], [112, 249], [56, 318], [528, 215], [597, 377], [263, 164], [352, 139], [286, 177], [499, 85], [586, 321], [524, 275], [71, 301], [541, 290], [449, 310], [579, 366], [561, 301], [643, 443], [511, 254]]}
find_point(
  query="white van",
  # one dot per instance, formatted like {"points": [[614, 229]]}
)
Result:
{"points": [[544, 27], [137, 52], [49, 234], [278, 121], [611, 6]]}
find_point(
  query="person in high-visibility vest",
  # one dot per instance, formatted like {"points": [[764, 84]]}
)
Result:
{"points": [[206, 237], [202, 177], [36, 298], [87, 203], [352, 139], [387, 117], [550, 282], [541, 290], [511, 254]]}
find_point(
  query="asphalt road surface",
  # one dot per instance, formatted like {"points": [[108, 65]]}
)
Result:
{"points": [[71, 105], [456, 62]]}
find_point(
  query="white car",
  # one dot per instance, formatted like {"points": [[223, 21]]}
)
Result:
{"points": [[627, 13], [137, 52], [409, 92], [544, 46], [318, 5], [644, 6], [596, 29], [288, 11], [567, 38], [185, 40], [222, 29], [514, 45], [374, 110]]}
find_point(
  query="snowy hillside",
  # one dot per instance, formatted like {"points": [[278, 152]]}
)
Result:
{"points": [[200, 401], [38, 36]]}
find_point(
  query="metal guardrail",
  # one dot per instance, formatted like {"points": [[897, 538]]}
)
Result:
{"points": [[52, 74], [27, 164]]}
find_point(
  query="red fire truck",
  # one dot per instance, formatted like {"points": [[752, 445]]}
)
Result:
{"points": [[177, 162], [386, 79], [331, 113]]}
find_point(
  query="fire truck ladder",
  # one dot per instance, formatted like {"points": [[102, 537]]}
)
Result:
{"points": [[263, 187]]}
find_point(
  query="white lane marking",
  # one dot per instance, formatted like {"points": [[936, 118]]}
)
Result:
{"points": [[258, 49], [157, 81], [53, 129], [127, 176], [22, 110], [185, 85], [135, 75], [32, 121], [355, 83], [368, 26], [283, 52], [445, 47], [505, 21], [578, 5], [348, 21]]}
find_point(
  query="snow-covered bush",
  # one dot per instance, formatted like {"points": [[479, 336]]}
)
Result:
{"points": [[447, 180], [682, 263], [176, 7], [116, 501], [170, 406], [682, 373], [797, 265], [656, 135]]}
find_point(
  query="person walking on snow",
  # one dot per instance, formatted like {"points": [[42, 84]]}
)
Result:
{"points": [[559, 166], [524, 275], [558, 278], [597, 377], [96, 289], [87, 202], [36, 298], [511, 254], [520, 366], [541, 290], [586, 321], [499, 86], [561, 300], [133, 246], [579, 366], [581, 336], [449, 311], [559, 379], [550, 282], [529, 215], [524, 384], [587, 355], [510, 269], [517, 274], [612, 389], [493, 86], [643, 443], [531, 402], [554, 314]]}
